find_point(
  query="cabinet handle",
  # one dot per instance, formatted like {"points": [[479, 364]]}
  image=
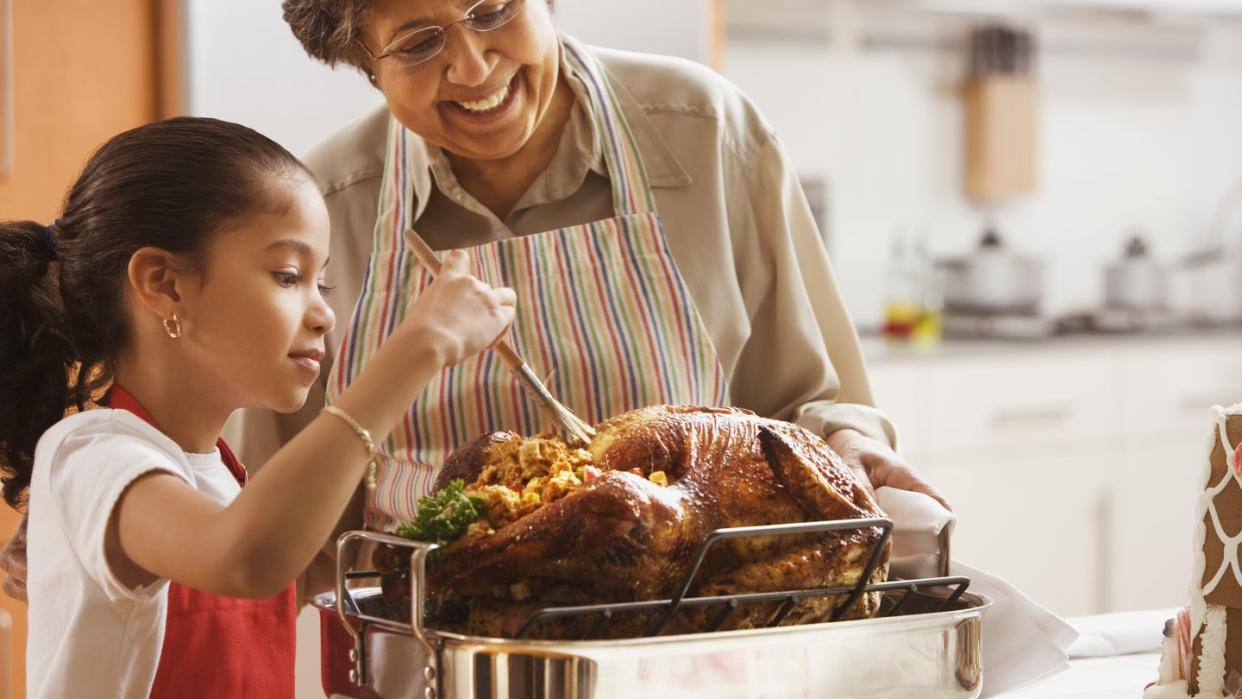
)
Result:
{"points": [[1104, 554], [1035, 416]]}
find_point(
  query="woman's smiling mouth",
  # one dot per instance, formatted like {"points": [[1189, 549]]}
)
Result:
{"points": [[492, 107]]}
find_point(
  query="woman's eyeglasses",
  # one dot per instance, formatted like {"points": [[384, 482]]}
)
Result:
{"points": [[422, 44]]}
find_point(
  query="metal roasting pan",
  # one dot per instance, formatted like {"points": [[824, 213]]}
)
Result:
{"points": [[926, 643]]}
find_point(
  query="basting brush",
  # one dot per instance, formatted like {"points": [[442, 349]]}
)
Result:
{"points": [[572, 425]]}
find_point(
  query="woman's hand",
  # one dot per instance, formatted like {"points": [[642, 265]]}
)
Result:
{"points": [[879, 465], [458, 314], [13, 562]]}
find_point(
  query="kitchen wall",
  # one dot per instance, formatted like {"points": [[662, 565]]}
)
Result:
{"points": [[1141, 125], [244, 65]]}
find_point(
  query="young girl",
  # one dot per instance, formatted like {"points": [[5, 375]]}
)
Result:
{"points": [[185, 277]]}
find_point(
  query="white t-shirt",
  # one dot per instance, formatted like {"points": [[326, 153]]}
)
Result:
{"points": [[90, 635]]}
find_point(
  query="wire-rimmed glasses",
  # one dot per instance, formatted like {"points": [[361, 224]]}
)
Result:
{"points": [[424, 43]]}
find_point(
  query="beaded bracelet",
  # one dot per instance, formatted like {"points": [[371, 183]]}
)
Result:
{"points": [[364, 435]]}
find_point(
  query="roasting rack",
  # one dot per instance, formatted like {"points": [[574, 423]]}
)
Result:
{"points": [[928, 595]]}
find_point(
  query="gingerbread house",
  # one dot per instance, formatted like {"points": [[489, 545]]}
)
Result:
{"points": [[1203, 646]]}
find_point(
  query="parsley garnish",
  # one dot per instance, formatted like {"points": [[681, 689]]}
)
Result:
{"points": [[443, 517]]}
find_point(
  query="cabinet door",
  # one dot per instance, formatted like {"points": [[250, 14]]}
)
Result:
{"points": [[1030, 517], [1166, 392], [1150, 525], [1015, 402], [895, 388]]}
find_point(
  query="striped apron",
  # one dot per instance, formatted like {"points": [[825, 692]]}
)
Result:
{"points": [[603, 313]]}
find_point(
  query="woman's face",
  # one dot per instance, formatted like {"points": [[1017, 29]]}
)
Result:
{"points": [[485, 93], [256, 320]]}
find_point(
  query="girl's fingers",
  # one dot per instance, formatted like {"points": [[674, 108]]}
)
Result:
{"points": [[505, 296], [455, 262]]}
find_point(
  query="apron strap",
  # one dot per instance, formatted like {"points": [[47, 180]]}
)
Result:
{"points": [[120, 399], [631, 189]]}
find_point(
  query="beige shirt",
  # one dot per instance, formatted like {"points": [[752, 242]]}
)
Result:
{"points": [[732, 210]]}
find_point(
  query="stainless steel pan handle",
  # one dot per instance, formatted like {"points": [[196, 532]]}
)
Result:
{"points": [[344, 597]]}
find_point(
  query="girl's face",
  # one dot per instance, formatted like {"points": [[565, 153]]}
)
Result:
{"points": [[485, 93], [256, 319]]}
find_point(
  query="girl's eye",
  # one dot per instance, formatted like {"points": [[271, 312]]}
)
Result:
{"points": [[286, 278]]}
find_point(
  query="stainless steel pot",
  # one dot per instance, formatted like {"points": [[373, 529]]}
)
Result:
{"points": [[992, 279], [1136, 282], [1208, 286]]}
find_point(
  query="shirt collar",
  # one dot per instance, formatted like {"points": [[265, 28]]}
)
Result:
{"points": [[663, 168], [578, 152]]}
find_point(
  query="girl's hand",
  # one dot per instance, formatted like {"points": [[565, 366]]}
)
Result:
{"points": [[876, 463], [458, 314]]}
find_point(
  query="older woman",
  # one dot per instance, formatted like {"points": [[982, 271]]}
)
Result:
{"points": [[641, 206]]}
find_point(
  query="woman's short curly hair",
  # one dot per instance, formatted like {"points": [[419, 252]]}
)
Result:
{"points": [[329, 30]]}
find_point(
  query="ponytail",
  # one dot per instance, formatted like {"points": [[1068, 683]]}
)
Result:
{"points": [[36, 350]]}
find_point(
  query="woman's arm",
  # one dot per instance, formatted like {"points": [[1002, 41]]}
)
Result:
{"points": [[263, 540], [821, 381]]}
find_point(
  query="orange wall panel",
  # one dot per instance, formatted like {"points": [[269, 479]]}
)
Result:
{"points": [[82, 71]]}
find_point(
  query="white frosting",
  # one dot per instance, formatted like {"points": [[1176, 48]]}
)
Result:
{"points": [[1230, 559], [1173, 690], [1212, 652], [1170, 669], [1206, 508]]}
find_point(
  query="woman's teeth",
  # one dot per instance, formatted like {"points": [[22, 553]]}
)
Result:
{"points": [[487, 103]]}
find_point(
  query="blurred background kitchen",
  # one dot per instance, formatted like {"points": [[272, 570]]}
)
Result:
{"points": [[1034, 208]]}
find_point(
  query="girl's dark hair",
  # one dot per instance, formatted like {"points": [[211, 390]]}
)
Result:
{"points": [[329, 30], [170, 185]]}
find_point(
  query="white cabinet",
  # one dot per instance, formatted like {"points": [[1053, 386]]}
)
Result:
{"points": [[1150, 524], [1160, 439], [1072, 467], [1030, 517], [997, 404]]}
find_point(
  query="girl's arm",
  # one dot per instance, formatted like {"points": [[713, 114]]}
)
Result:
{"points": [[261, 542]]}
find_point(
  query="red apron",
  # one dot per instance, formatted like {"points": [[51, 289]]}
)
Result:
{"points": [[222, 646]]}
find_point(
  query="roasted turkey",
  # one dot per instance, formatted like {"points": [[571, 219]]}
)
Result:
{"points": [[622, 519]]}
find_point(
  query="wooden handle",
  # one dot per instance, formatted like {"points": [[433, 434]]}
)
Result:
{"points": [[551, 407], [429, 259]]}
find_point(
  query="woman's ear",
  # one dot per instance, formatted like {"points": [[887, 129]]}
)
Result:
{"points": [[159, 279]]}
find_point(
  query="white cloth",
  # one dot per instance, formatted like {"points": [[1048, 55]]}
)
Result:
{"points": [[1022, 641], [1120, 633], [91, 635], [918, 526]]}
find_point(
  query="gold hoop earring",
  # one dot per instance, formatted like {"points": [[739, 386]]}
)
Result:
{"points": [[172, 326]]}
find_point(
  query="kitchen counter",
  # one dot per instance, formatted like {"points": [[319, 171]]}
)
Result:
{"points": [[1115, 656], [1117, 677], [877, 349]]}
